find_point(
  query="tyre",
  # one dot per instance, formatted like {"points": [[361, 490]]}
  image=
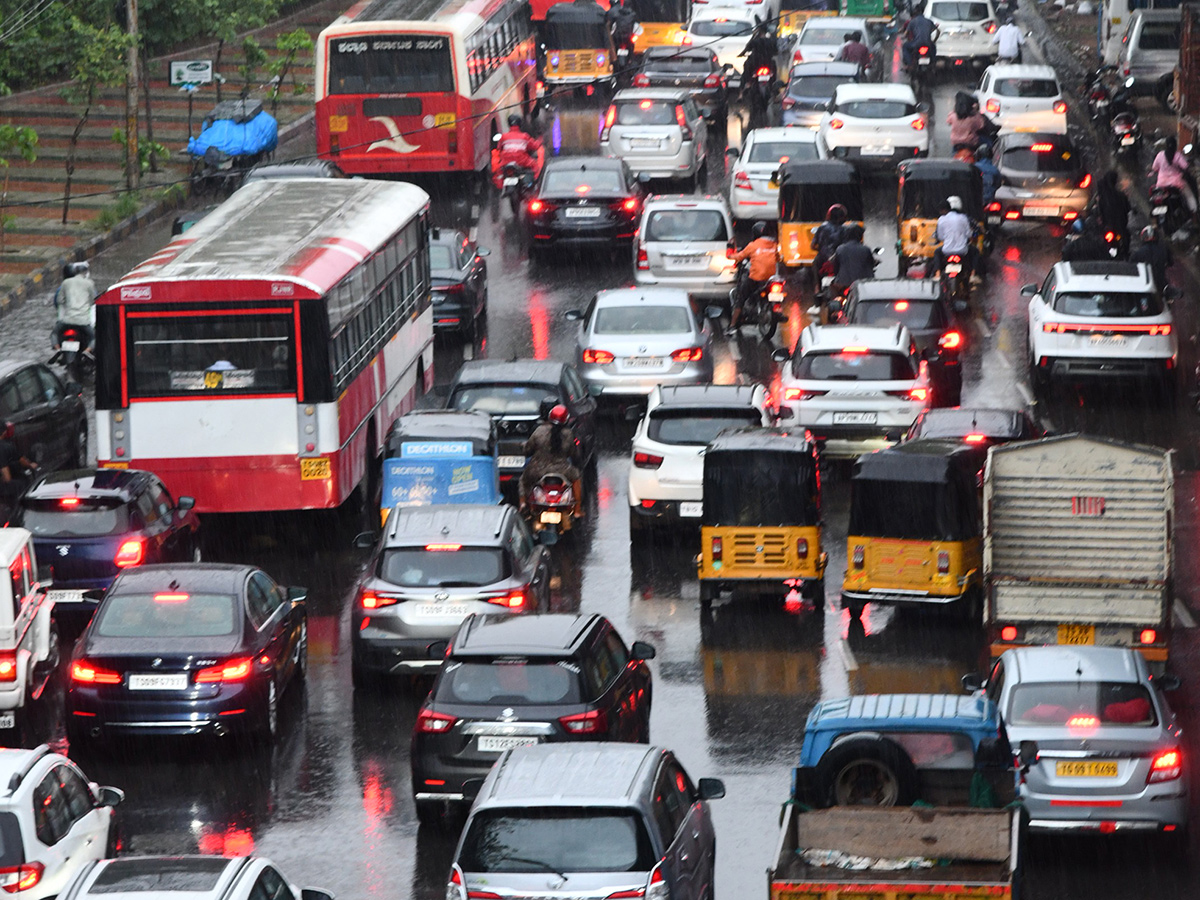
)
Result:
{"points": [[514, 203], [269, 727], [79, 451], [300, 665], [1039, 381], [636, 523], [867, 772], [766, 322], [708, 593]]}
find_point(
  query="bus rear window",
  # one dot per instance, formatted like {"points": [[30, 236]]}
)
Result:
{"points": [[227, 354], [399, 64]]}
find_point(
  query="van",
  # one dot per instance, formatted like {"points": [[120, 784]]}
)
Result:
{"points": [[28, 639], [1150, 47]]}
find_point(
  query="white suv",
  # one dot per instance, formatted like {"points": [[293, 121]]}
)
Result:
{"points": [[683, 241], [666, 475], [965, 29], [1100, 320], [659, 132], [53, 822], [856, 388]]}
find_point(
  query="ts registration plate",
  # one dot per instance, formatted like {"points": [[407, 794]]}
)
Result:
{"points": [[855, 418], [511, 462], [174, 682], [583, 212], [1087, 768], [1077, 634], [500, 744], [71, 346], [8, 720], [440, 610]]}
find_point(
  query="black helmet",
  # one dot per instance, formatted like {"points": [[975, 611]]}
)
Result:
{"points": [[837, 214], [514, 121], [759, 229], [854, 232]]}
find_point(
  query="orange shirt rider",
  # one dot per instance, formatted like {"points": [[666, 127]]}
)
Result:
{"points": [[763, 254]]}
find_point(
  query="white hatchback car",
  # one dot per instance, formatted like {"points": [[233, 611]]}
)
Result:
{"points": [[822, 37], [875, 125], [965, 29], [1100, 320], [753, 191], [856, 388], [666, 475], [683, 242], [658, 132], [1023, 98], [54, 822], [724, 31]]}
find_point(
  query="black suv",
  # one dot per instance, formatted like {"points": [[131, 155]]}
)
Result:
{"points": [[432, 567], [49, 416], [527, 680]]}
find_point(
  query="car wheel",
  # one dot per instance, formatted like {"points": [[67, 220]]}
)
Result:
{"points": [[301, 660], [435, 814], [364, 680], [708, 593], [270, 725], [79, 453], [867, 772], [1038, 380], [636, 523]]}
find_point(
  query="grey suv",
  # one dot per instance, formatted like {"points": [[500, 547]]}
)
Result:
{"points": [[431, 568], [588, 820]]}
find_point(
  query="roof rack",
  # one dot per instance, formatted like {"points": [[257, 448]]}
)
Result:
{"points": [[18, 776]]}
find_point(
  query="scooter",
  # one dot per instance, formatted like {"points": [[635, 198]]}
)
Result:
{"points": [[74, 354], [954, 282], [763, 308], [922, 66], [551, 504], [1168, 209], [516, 182], [1125, 129], [760, 88]]}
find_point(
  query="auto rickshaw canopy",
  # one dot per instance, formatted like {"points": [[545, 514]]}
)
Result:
{"points": [[576, 26], [926, 183], [761, 477], [475, 430], [808, 188]]}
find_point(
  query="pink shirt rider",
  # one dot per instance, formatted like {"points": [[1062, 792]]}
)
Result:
{"points": [[1170, 172]]}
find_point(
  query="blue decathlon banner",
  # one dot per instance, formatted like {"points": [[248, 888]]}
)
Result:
{"points": [[407, 482]]}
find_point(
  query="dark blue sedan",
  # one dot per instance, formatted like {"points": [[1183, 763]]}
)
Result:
{"points": [[184, 650]]}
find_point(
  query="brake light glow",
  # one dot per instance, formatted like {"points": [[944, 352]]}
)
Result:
{"points": [[763, 71], [15, 879], [582, 188], [629, 204], [922, 51], [429, 722], [231, 670], [1064, 328], [951, 340], [797, 57], [1083, 722], [943, 560], [990, 26], [1148, 636], [646, 460], [1013, 214], [713, 80], [1086, 180], [975, 439], [641, 80], [994, 206], [741, 182], [854, 349], [900, 306], [372, 600], [645, 104], [717, 549], [69, 502], [1109, 237], [643, 259], [1008, 633], [593, 721], [993, 106], [442, 548], [8, 666], [170, 598], [610, 116], [802, 548], [918, 124], [688, 354], [597, 357], [130, 553], [536, 206], [836, 123], [1041, 147], [859, 556], [919, 393], [681, 120], [1166, 766], [87, 673], [511, 600], [1060, 106]]}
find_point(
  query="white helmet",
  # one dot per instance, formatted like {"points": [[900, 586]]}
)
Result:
{"points": [[955, 203]]}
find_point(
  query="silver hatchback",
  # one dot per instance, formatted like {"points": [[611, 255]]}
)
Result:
{"points": [[659, 132], [683, 242]]}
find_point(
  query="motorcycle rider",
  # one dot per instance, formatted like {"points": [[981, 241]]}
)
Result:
{"points": [[760, 52], [1086, 242], [553, 449], [852, 260], [1170, 172], [968, 126], [12, 485], [622, 22], [854, 51], [74, 304], [828, 236], [954, 232], [919, 32], [763, 254], [1155, 253], [988, 172], [1113, 207], [516, 147]]}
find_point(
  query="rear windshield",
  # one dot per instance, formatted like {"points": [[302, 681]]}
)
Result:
{"points": [[592, 181], [87, 519], [914, 314], [823, 35], [691, 427], [782, 151], [576, 35], [1047, 158], [441, 258], [642, 320], [959, 12], [510, 681], [914, 510], [877, 109], [464, 567], [1026, 87], [646, 112], [154, 875], [686, 225], [504, 399], [168, 614], [816, 85], [390, 64], [556, 840], [1108, 306], [721, 28], [1081, 704], [1159, 36], [855, 366], [679, 65]]}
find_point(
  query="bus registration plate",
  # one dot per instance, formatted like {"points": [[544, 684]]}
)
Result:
{"points": [[444, 120], [1077, 634], [314, 469]]}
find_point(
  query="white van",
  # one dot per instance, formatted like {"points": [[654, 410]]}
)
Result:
{"points": [[28, 639]]}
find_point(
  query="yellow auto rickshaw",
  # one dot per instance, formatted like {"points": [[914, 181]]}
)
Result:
{"points": [[577, 46], [661, 23], [924, 185], [806, 191], [915, 526], [761, 524]]}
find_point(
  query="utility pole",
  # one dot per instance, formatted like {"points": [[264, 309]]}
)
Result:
{"points": [[133, 171]]}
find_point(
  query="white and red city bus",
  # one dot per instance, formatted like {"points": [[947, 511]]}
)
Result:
{"points": [[422, 87], [257, 361]]}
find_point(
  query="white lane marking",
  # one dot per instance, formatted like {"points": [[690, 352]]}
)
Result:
{"points": [[849, 663], [1183, 616]]}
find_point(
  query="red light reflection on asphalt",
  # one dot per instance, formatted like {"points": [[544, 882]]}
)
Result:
{"points": [[539, 323], [377, 796], [1012, 254]]}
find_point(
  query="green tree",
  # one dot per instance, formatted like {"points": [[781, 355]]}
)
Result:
{"points": [[98, 62], [231, 18], [15, 140], [290, 45], [253, 58]]}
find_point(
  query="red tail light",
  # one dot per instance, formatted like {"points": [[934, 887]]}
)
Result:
{"points": [[130, 553], [836, 123], [951, 340], [917, 124], [802, 548], [688, 354], [591, 722], [229, 671], [994, 206], [646, 461], [801, 394], [609, 118], [372, 600], [762, 72], [859, 556], [1060, 106], [1013, 214], [975, 439], [1166, 766], [1148, 636], [429, 722], [643, 260], [918, 393], [990, 26], [922, 51], [511, 600], [88, 673], [8, 666], [681, 119], [741, 182], [1086, 180], [641, 80], [630, 204], [717, 547], [797, 57], [993, 106], [597, 357], [69, 502], [953, 258], [537, 207], [1109, 237], [713, 80], [1062, 328], [1008, 633], [943, 562], [15, 879]]}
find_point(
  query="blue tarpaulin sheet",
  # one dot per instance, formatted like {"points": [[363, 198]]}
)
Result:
{"points": [[259, 135]]}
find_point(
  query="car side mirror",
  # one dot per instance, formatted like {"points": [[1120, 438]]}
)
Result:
{"points": [[315, 894], [972, 682], [1166, 682], [923, 107], [711, 788], [633, 413], [781, 354], [573, 315], [297, 594], [642, 650], [1028, 290], [482, 251], [185, 503], [109, 796], [364, 540], [1027, 755], [713, 312]]}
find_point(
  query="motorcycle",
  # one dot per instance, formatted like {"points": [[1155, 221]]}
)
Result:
{"points": [[1168, 209], [551, 504], [1099, 93], [516, 182], [760, 88], [922, 65], [954, 282], [1125, 127], [763, 309], [74, 354]]}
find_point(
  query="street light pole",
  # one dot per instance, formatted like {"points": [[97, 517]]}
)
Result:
{"points": [[133, 169]]}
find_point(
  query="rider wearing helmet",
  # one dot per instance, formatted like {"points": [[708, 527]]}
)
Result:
{"points": [[763, 254], [515, 146], [953, 233], [1154, 252], [919, 32], [829, 235], [553, 449], [74, 302], [852, 260]]}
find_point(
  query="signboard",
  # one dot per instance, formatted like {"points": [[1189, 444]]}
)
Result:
{"points": [[191, 71], [434, 481]]}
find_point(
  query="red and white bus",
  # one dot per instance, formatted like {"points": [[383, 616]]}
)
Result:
{"points": [[257, 361], [397, 93]]}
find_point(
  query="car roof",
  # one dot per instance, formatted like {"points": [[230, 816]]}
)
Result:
{"points": [[825, 67], [296, 168], [443, 425], [539, 635], [674, 52], [216, 577], [873, 337], [737, 13], [635, 296], [11, 542], [1111, 273], [896, 288], [194, 877], [449, 237], [8, 366], [1005, 70], [650, 94], [687, 201], [874, 91], [573, 773], [835, 23], [953, 421], [783, 133], [123, 484], [689, 396], [582, 163], [920, 712], [1055, 663], [509, 371], [462, 523]]}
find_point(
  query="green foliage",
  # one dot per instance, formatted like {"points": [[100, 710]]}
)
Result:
{"points": [[174, 193], [98, 61], [128, 203], [290, 45], [254, 57], [147, 150], [17, 140]]}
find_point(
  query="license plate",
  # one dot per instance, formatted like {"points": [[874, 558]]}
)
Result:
{"points": [[1116, 339], [1127, 140], [763, 79], [551, 517], [855, 418], [583, 212], [877, 150], [993, 220], [8, 720], [500, 744], [1085, 769], [315, 469], [72, 346], [511, 182], [685, 262], [1041, 211], [176, 682], [1159, 211], [691, 510], [953, 268], [642, 362], [65, 596], [645, 143], [1077, 634], [511, 462], [439, 610], [924, 61]]}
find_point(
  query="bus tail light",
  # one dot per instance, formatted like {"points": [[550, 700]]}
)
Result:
{"points": [[130, 553], [1166, 766], [452, 140], [335, 144], [717, 549], [943, 562], [1008, 633], [1148, 636], [15, 879], [594, 721], [646, 460], [859, 556], [802, 548], [8, 666]]}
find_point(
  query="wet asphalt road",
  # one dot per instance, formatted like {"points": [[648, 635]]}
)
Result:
{"points": [[332, 804]]}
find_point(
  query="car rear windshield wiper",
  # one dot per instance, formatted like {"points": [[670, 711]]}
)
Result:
{"points": [[454, 584], [535, 862]]}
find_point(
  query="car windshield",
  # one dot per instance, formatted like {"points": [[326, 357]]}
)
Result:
{"points": [[914, 314], [565, 181], [451, 565], [877, 109], [556, 839], [1108, 306], [1160, 36], [1082, 704], [441, 257], [646, 112], [83, 518], [504, 399], [1027, 87], [1045, 157], [642, 320], [824, 35], [512, 681], [167, 614], [782, 151], [959, 12], [855, 365], [697, 427], [721, 28], [159, 875], [816, 85], [686, 225]]}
